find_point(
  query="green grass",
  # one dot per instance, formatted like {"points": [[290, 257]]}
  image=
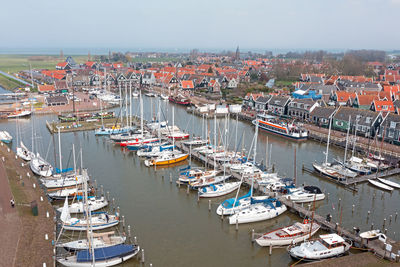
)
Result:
{"points": [[283, 83], [15, 63], [8, 83]]}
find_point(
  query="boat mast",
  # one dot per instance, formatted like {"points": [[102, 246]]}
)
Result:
{"points": [[347, 141], [215, 139], [236, 130], [126, 105], [130, 103], [59, 148], [120, 103], [266, 156], [173, 123], [327, 143], [355, 139], [254, 153], [141, 113], [312, 215], [73, 154]]}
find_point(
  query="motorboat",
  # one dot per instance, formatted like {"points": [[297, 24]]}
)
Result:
{"points": [[19, 114], [154, 151], [5, 137], [40, 167], [327, 246], [218, 190], [178, 135], [374, 234], [258, 210], [196, 174], [305, 194], [289, 235]]}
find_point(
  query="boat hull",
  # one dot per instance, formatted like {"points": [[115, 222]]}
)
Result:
{"points": [[285, 242], [168, 162]]}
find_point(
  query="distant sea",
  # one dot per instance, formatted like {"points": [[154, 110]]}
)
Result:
{"points": [[104, 51]]}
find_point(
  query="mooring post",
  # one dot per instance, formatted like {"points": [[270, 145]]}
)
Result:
{"points": [[170, 178], [395, 217], [252, 235], [270, 250], [113, 204], [374, 196], [102, 191], [142, 258], [108, 195], [352, 208], [123, 221], [135, 240], [385, 232], [118, 210], [237, 224], [369, 212], [340, 200], [372, 226], [187, 190], [198, 196], [384, 223], [222, 216], [209, 205], [129, 233], [390, 219]]}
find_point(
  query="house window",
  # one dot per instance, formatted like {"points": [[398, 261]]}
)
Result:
{"points": [[339, 123], [384, 107], [368, 120], [393, 124], [391, 133]]}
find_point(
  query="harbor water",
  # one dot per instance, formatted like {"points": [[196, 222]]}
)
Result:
{"points": [[176, 230]]}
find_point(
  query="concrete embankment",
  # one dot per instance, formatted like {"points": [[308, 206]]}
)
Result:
{"points": [[25, 239]]}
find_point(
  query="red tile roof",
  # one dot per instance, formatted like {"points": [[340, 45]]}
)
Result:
{"points": [[187, 84], [343, 96], [384, 105], [46, 88]]}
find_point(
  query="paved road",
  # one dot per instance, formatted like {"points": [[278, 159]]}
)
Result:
{"points": [[14, 78]]}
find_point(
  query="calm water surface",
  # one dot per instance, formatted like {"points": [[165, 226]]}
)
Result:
{"points": [[172, 227]]}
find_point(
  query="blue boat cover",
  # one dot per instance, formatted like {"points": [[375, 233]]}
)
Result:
{"points": [[162, 148], [101, 254], [229, 202], [186, 168], [63, 170]]}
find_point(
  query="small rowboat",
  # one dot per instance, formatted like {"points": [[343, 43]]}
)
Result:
{"points": [[370, 234], [380, 185], [389, 183]]}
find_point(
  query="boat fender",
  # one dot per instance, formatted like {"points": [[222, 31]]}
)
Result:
{"points": [[305, 221]]}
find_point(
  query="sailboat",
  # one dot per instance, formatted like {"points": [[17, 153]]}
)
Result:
{"points": [[258, 210], [334, 171], [101, 221], [100, 240], [24, 153], [40, 166], [93, 202], [218, 190], [5, 137], [103, 251], [305, 194]]}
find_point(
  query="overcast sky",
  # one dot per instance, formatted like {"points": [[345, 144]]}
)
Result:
{"points": [[204, 24]]}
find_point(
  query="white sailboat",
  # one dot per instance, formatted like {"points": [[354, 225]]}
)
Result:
{"points": [[5, 137], [218, 189], [100, 240], [389, 183], [40, 166], [24, 153], [380, 185], [93, 202], [305, 194]]}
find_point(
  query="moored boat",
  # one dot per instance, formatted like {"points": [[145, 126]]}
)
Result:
{"points": [[40, 167], [167, 158], [5, 137], [389, 183], [327, 246], [380, 185], [24, 153], [293, 234], [274, 125], [218, 190], [99, 240]]}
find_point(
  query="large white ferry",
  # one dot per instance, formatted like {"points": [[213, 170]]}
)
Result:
{"points": [[274, 125]]}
